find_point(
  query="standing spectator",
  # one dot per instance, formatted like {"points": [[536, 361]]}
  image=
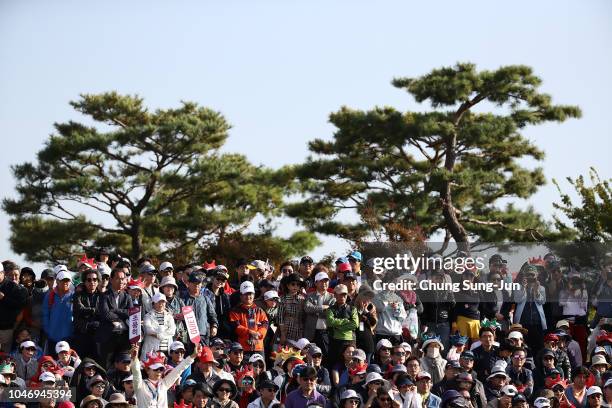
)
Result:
{"points": [[342, 321], [529, 311], [147, 275], [159, 327], [57, 311], [85, 312], [574, 301], [391, 313], [366, 312], [467, 309], [305, 270], [315, 308], [215, 291], [249, 322], [291, 310], [242, 269], [438, 307], [13, 299], [112, 336], [204, 310]]}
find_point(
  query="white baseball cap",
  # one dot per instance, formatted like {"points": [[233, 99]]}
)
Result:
{"points": [[247, 287], [104, 269], [515, 335], [320, 276], [47, 376], [256, 357], [63, 275], [177, 345], [62, 346], [156, 366], [27, 344], [301, 343], [59, 268], [562, 323], [407, 347], [383, 343], [541, 402], [158, 297], [593, 390], [165, 265], [271, 294]]}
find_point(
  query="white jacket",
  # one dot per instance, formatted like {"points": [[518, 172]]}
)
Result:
{"points": [[154, 333], [144, 391], [258, 404]]}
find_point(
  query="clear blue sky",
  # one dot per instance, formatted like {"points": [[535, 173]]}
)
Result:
{"points": [[276, 69]]}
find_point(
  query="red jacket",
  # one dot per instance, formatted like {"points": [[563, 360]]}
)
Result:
{"points": [[246, 320]]}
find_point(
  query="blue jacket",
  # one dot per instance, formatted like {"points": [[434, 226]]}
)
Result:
{"points": [[204, 312], [57, 315], [433, 401]]}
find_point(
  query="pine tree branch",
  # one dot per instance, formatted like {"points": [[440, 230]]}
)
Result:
{"points": [[532, 231]]}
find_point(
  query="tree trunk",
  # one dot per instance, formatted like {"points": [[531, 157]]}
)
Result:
{"points": [[455, 228], [136, 240]]}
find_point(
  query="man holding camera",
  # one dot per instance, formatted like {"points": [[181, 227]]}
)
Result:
{"points": [[529, 307]]}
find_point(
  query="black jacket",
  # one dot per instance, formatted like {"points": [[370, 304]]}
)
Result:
{"points": [[113, 314], [14, 300], [84, 311]]}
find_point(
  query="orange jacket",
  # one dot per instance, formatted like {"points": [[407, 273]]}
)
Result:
{"points": [[246, 321]]}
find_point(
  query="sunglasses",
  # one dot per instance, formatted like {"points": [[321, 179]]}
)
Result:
{"points": [[159, 370], [91, 280], [99, 386], [258, 364], [224, 390], [30, 348], [399, 353], [247, 381]]}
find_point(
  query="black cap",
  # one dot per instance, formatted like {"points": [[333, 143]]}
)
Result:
{"points": [[122, 357], [47, 273], [518, 398], [306, 259], [195, 277], [267, 384], [235, 346], [350, 275], [147, 268], [241, 262]]}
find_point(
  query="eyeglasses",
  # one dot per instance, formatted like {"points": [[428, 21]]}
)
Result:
{"points": [[518, 357], [224, 390], [91, 280]]}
